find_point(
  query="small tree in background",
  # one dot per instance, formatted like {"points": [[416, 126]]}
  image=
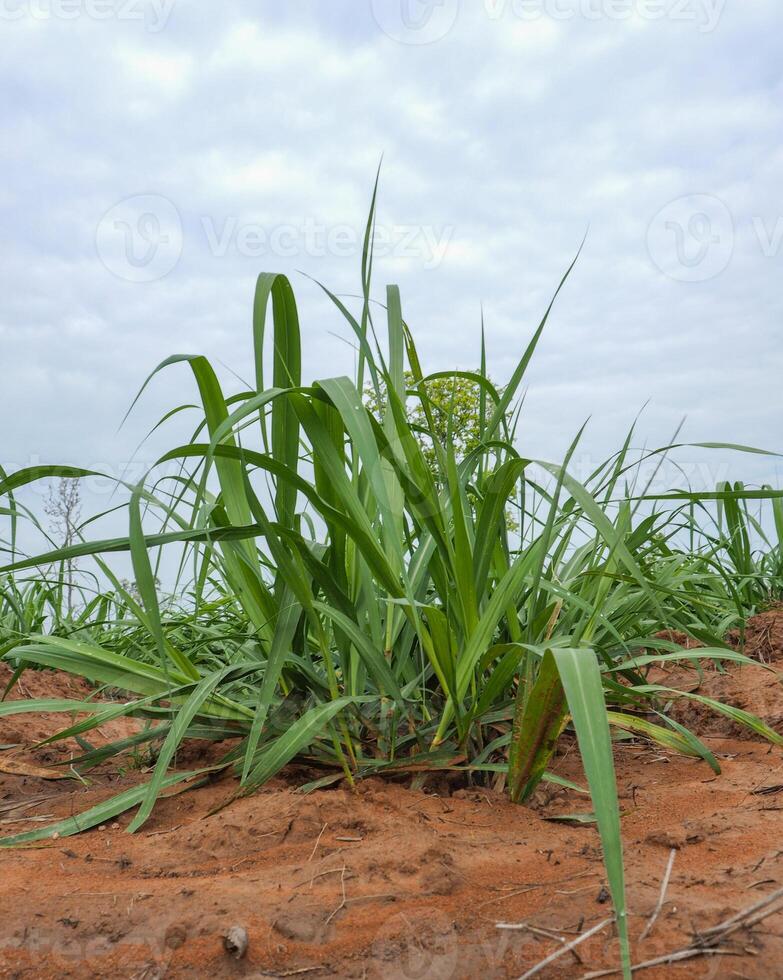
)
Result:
{"points": [[455, 404], [455, 407], [63, 507]]}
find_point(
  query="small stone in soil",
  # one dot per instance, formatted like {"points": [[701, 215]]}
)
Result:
{"points": [[235, 942]]}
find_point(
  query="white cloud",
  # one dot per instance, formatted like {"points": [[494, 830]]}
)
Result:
{"points": [[168, 74], [517, 136]]}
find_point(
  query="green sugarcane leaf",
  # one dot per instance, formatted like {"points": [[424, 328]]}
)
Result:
{"points": [[581, 678], [272, 757], [97, 815]]}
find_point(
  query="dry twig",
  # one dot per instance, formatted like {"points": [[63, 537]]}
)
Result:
{"points": [[705, 943], [565, 949], [682, 954], [661, 896], [342, 903], [317, 842]]}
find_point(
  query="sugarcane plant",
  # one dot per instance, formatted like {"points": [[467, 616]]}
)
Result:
{"points": [[351, 590]]}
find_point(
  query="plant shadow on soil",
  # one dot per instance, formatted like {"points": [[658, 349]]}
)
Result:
{"points": [[395, 883]]}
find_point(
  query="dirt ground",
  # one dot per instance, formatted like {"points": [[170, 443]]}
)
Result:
{"points": [[388, 882]]}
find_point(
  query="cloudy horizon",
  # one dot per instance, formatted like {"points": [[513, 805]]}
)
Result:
{"points": [[156, 158]]}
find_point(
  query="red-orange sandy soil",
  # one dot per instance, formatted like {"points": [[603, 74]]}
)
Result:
{"points": [[390, 882]]}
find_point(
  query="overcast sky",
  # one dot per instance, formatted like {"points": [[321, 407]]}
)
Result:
{"points": [[157, 155]]}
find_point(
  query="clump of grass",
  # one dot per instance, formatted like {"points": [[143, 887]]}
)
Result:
{"points": [[352, 592]]}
